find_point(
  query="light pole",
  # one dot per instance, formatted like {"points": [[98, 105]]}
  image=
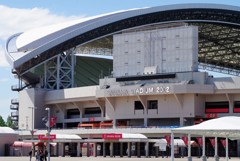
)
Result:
{"points": [[32, 130], [48, 144]]}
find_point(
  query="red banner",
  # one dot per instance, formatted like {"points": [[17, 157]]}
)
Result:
{"points": [[212, 142], [44, 137], [223, 141], [112, 136], [168, 139], [53, 121], [200, 142], [185, 140]]}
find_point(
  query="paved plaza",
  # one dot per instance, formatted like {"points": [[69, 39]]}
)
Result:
{"points": [[110, 159]]}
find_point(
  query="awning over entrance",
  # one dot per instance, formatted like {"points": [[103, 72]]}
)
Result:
{"points": [[220, 127], [177, 142], [21, 144]]}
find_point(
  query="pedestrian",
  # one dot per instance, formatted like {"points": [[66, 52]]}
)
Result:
{"points": [[45, 155], [30, 155]]}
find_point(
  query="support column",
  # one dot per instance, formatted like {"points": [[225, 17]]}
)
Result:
{"points": [[61, 149], [78, 149], [181, 121], [104, 149], [172, 146], [216, 150], [111, 149], [227, 155], [204, 158], [147, 149], [95, 149], [88, 150], [189, 148], [114, 123], [138, 150], [156, 151], [121, 149], [145, 122], [129, 150]]}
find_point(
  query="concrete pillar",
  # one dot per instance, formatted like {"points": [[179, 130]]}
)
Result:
{"points": [[88, 149], [156, 151], [147, 149], [121, 149], [114, 123], [95, 149], [172, 146], [216, 150], [129, 150], [145, 122], [227, 155], [189, 148], [111, 149], [61, 149], [138, 150], [204, 158], [181, 121], [78, 149], [104, 149]]}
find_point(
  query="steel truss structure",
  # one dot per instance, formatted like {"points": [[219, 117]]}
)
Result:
{"points": [[218, 35]]}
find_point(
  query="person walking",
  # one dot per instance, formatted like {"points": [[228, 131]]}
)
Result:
{"points": [[45, 155], [30, 155]]}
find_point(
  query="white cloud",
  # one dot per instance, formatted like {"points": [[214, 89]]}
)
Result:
{"points": [[14, 20]]}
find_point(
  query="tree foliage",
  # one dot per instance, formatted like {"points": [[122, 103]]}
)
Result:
{"points": [[2, 122]]}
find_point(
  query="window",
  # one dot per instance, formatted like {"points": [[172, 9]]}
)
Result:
{"points": [[73, 113], [153, 104], [216, 107], [236, 108], [138, 105]]}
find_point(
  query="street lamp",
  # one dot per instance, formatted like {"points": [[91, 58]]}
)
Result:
{"points": [[32, 130], [48, 144]]}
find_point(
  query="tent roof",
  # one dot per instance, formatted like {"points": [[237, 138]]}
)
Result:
{"points": [[220, 127], [7, 130]]}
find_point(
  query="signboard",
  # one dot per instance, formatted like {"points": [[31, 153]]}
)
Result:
{"points": [[44, 137], [112, 136], [211, 115]]}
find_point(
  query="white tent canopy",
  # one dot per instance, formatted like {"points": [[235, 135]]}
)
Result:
{"points": [[177, 142], [220, 127]]}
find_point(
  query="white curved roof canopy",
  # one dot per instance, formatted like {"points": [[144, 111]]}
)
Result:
{"points": [[7, 130], [219, 127], [32, 43]]}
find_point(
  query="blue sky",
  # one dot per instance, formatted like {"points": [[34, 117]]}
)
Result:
{"points": [[22, 15]]}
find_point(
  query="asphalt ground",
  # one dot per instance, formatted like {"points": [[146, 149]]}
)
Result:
{"points": [[111, 159]]}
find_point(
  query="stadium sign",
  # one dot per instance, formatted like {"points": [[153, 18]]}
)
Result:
{"points": [[137, 91]]}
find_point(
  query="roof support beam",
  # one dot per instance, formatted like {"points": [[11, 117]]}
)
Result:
{"points": [[101, 104], [230, 101], [111, 102], [143, 100], [179, 98]]}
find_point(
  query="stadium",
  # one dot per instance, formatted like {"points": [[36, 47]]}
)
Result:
{"points": [[121, 81]]}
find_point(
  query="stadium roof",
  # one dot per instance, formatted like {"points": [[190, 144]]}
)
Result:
{"points": [[219, 30]]}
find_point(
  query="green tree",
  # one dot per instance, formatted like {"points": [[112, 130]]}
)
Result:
{"points": [[10, 123], [2, 122]]}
